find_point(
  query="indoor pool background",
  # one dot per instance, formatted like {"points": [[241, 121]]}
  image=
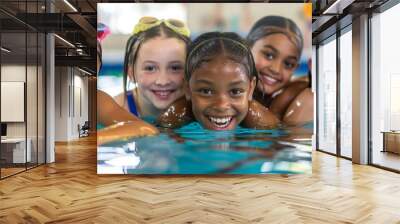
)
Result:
{"points": [[194, 150]]}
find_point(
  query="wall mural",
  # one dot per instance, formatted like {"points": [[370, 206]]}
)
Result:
{"points": [[186, 88]]}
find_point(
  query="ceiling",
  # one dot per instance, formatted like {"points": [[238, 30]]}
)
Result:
{"points": [[332, 15], [76, 25], [75, 21]]}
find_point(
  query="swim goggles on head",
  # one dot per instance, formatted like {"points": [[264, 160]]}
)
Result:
{"points": [[148, 22]]}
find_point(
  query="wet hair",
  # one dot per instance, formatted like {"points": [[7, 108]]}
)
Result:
{"points": [[209, 45], [309, 73], [276, 24], [136, 40], [99, 53]]}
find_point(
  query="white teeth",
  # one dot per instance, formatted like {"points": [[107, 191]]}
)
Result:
{"points": [[221, 122], [270, 79], [162, 93]]}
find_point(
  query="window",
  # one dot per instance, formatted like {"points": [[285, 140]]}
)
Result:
{"points": [[385, 86], [346, 94], [327, 96]]}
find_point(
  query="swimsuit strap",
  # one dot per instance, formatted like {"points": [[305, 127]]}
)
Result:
{"points": [[131, 103]]}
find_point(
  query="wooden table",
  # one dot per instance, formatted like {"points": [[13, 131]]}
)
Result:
{"points": [[391, 141]]}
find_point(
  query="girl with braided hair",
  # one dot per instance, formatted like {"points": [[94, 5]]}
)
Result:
{"points": [[220, 78]]}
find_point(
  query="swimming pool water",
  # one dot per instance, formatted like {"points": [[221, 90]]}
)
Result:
{"points": [[194, 150]]}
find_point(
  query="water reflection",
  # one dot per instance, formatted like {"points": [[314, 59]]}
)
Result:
{"points": [[193, 150]]}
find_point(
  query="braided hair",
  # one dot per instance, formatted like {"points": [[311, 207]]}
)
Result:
{"points": [[211, 44]]}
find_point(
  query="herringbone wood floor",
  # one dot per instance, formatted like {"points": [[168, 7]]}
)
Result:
{"points": [[70, 191]]}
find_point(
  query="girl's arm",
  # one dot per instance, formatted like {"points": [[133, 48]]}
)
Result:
{"points": [[301, 109], [176, 115], [259, 117], [120, 124], [281, 102], [109, 112]]}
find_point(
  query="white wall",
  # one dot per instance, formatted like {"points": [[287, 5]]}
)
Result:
{"points": [[61, 103], [81, 84], [33, 127], [15, 73], [71, 93]]}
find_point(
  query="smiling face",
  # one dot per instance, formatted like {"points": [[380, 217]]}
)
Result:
{"points": [[159, 70], [276, 58], [220, 90]]}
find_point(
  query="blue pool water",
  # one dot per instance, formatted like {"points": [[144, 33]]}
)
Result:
{"points": [[194, 150]]}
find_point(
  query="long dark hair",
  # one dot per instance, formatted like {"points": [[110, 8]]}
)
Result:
{"points": [[276, 24], [100, 54]]}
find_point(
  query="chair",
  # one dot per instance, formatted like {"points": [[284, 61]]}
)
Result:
{"points": [[84, 130]]}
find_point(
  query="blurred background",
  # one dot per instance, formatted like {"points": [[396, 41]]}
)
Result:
{"points": [[120, 18]]}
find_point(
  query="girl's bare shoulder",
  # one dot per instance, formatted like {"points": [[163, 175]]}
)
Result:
{"points": [[120, 99]]}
